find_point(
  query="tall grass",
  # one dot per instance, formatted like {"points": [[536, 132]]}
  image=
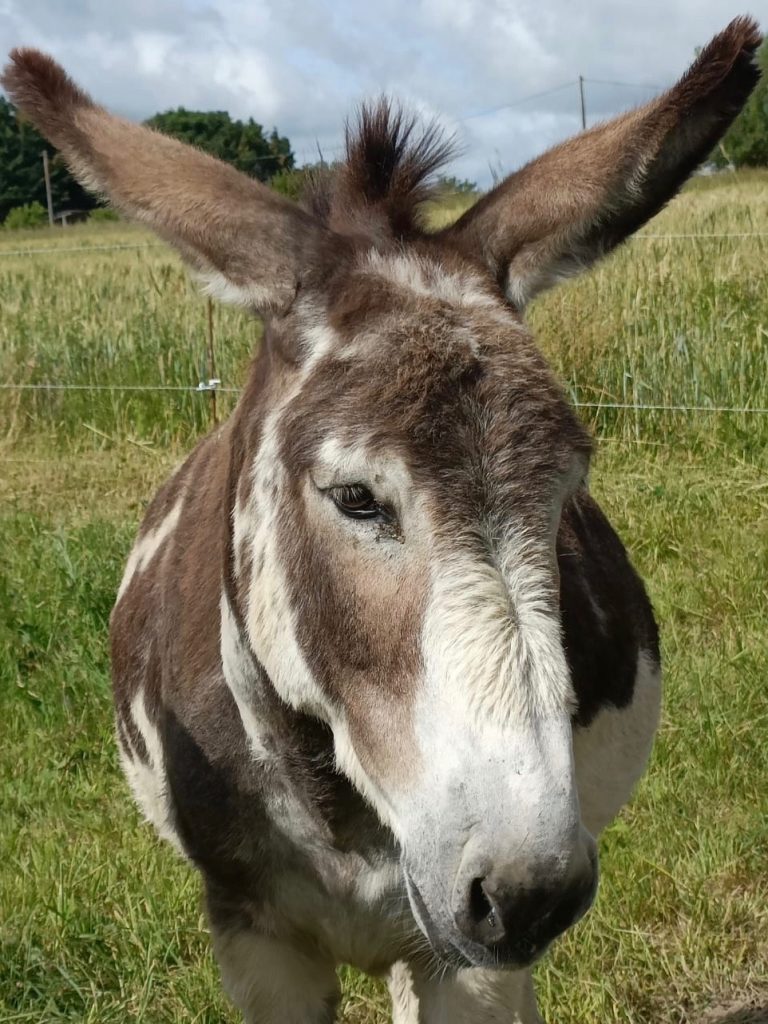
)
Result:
{"points": [[674, 320], [123, 318], [670, 321]]}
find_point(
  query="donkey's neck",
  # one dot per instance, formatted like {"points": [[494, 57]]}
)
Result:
{"points": [[298, 747]]}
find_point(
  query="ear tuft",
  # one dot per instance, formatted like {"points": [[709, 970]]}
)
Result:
{"points": [[739, 39], [43, 90], [726, 65]]}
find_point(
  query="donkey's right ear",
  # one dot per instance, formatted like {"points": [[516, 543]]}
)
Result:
{"points": [[243, 240], [560, 213]]}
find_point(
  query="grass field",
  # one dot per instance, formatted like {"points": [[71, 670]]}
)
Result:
{"points": [[98, 921]]}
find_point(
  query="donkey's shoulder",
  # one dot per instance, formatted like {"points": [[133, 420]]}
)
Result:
{"points": [[608, 620]]}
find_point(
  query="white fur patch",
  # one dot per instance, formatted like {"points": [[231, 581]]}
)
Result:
{"points": [[269, 616], [405, 1003], [473, 995], [148, 545], [492, 726], [215, 284], [270, 981], [612, 752], [426, 278], [148, 779], [492, 635], [237, 666]]}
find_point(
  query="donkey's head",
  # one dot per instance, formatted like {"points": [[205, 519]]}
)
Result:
{"points": [[406, 455]]}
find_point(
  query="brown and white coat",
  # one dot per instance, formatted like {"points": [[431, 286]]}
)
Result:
{"points": [[382, 667]]}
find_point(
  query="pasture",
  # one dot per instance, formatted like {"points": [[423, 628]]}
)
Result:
{"points": [[98, 921]]}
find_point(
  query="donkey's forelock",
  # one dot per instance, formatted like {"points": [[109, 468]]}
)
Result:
{"points": [[380, 188]]}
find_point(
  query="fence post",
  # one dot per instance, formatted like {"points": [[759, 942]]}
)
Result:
{"points": [[48, 195], [211, 362]]}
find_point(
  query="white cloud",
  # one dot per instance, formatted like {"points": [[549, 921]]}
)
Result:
{"points": [[303, 66]]}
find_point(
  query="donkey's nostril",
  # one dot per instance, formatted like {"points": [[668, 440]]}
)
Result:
{"points": [[480, 907], [516, 922]]}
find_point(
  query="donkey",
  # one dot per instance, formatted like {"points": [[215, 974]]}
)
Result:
{"points": [[382, 668]]}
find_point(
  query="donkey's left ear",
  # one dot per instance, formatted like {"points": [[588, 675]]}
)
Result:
{"points": [[561, 212], [244, 240]]}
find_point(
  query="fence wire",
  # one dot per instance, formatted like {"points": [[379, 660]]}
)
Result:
{"points": [[54, 250], [210, 386]]}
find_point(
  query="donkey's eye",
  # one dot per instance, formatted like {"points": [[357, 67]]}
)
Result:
{"points": [[357, 502]]}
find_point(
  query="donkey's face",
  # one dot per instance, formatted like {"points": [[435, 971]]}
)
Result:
{"points": [[399, 531], [393, 528]]}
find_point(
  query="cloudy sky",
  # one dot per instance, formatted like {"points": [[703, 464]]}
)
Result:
{"points": [[303, 65]]}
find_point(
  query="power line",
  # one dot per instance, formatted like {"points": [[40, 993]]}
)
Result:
{"points": [[627, 85], [518, 101]]}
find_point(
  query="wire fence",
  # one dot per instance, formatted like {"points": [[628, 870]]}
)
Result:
{"points": [[213, 385], [54, 250]]}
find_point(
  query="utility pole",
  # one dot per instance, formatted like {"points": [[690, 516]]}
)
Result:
{"points": [[583, 104], [48, 196]]}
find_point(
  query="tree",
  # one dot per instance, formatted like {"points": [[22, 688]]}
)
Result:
{"points": [[31, 215], [21, 169], [746, 141], [462, 186], [244, 144], [297, 182]]}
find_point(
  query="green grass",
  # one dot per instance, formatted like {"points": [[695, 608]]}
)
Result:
{"points": [[98, 921]]}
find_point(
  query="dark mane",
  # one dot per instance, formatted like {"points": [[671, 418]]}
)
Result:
{"points": [[386, 175]]}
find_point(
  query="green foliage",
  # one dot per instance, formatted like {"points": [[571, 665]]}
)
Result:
{"points": [[295, 182], [462, 186], [31, 215], [746, 142], [290, 183], [104, 213], [244, 144], [21, 179]]}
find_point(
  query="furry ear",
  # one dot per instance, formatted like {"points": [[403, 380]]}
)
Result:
{"points": [[243, 240], [561, 212]]}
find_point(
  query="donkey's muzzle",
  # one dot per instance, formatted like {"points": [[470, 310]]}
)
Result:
{"points": [[516, 923]]}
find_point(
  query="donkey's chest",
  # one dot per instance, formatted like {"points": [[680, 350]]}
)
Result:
{"points": [[357, 912]]}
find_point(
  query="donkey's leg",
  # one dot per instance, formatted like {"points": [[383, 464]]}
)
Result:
{"points": [[272, 982], [475, 996]]}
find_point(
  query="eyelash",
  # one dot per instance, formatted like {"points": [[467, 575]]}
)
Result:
{"points": [[355, 501]]}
